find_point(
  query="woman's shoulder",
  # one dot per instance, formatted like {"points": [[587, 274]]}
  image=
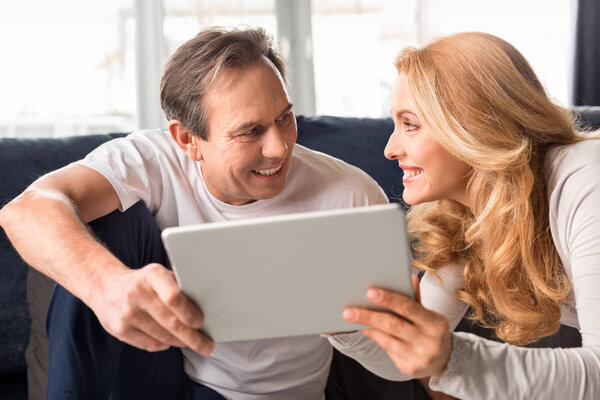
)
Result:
{"points": [[578, 159], [573, 182], [586, 150]]}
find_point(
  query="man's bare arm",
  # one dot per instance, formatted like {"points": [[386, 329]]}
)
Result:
{"points": [[46, 225]]}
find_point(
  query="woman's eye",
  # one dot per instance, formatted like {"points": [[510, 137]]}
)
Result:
{"points": [[410, 127]]}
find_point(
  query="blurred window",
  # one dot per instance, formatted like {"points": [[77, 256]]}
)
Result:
{"points": [[356, 42], [69, 67]]}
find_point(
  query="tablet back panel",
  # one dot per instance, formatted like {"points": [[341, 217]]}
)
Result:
{"points": [[289, 275]]}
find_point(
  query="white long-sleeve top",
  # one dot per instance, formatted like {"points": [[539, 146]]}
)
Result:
{"points": [[484, 369]]}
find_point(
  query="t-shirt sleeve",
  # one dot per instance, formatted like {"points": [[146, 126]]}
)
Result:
{"points": [[130, 165], [367, 191]]}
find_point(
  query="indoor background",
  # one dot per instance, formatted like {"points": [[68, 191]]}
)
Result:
{"points": [[76, 67]]}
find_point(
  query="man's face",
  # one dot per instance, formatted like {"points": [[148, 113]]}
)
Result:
{"points": [[251, 135]]}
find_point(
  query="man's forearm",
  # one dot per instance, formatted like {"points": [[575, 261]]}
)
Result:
{"points": [[46, 230]]}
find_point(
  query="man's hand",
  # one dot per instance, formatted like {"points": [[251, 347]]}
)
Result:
{"points": [[146, 309]]}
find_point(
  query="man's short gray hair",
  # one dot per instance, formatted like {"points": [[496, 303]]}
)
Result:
{"points": [[194, 67]]}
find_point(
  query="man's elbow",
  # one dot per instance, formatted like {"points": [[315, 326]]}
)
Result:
{"points": [[8, 211], [21, 206], [9, 214]]}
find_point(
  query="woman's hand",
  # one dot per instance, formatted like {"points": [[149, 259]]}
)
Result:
{"points": [[417, 340]]}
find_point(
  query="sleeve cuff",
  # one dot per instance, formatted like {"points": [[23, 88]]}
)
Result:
{"points": [[345, 339], [450, 381]]}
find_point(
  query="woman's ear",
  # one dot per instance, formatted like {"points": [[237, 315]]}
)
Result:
{"points": [[187, 141]]}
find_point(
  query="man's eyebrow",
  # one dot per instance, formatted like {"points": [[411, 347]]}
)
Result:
{"points": [[250, 124], [244, 126], [287, 109]]}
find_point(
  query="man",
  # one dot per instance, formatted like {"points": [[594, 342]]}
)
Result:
{"points": [[117, 320]]}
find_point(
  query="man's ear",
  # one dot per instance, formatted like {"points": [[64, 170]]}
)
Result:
{"points": [[187, 141]]}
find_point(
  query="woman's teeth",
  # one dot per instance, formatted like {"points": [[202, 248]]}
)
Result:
{"points": [[267, 172], [412, 172]]}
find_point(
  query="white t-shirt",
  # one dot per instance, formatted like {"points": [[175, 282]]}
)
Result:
{"points": [[148, 166], [484, 369]]}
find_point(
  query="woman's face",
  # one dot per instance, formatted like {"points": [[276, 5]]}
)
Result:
{"points": [[430, 172]]}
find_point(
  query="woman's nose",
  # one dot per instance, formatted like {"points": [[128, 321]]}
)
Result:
{"points": [[394, 148]]}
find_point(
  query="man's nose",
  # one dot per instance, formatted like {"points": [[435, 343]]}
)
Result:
{"points": [[274, 145], [394, 148]]}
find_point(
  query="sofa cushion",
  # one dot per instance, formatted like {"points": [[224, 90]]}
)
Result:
{"points": [[21, 162]]}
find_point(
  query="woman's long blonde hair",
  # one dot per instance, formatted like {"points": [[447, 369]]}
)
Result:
{"points": [[486, 107]]}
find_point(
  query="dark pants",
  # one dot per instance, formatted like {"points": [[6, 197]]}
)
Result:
{"points": [[84, 361]]}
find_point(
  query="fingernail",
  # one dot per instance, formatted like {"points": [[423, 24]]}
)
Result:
{"points": [[349, 314], [209, 348], [374, 294]]}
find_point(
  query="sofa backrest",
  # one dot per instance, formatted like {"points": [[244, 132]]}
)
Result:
{"points": [[358, 141], [21, 162]]}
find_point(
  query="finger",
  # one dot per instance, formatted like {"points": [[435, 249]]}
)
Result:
{"points": [[416, 288], [397, 350], [164, 284], [383, 321], [147, 324], [141, 340], [401, 305], [187, 335], [392, 345]]}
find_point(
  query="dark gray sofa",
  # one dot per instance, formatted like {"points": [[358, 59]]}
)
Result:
{"points": [[359, 141]]}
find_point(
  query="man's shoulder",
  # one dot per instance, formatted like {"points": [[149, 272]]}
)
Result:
{"points": [[323, 170], [151, 137], [148, 150], [324, 165], [147, 144]]}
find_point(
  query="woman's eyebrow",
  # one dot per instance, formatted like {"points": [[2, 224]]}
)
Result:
{"points": [[400, 113]]}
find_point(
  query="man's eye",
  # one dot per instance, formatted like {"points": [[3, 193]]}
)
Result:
{"points": [[284, 118], [248, 133]]}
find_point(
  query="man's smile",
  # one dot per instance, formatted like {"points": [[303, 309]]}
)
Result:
{"points": [[268, 171]]}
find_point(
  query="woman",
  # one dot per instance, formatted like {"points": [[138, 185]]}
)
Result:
{"points": [[506, 218]]}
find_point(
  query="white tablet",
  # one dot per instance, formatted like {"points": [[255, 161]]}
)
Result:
{"points": [[289, 275]]}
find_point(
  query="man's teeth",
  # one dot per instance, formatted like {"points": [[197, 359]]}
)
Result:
{"points": [[412, 172], [267, 172]]}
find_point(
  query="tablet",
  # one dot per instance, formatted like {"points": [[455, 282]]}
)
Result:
{"points": [[292, 274]]}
